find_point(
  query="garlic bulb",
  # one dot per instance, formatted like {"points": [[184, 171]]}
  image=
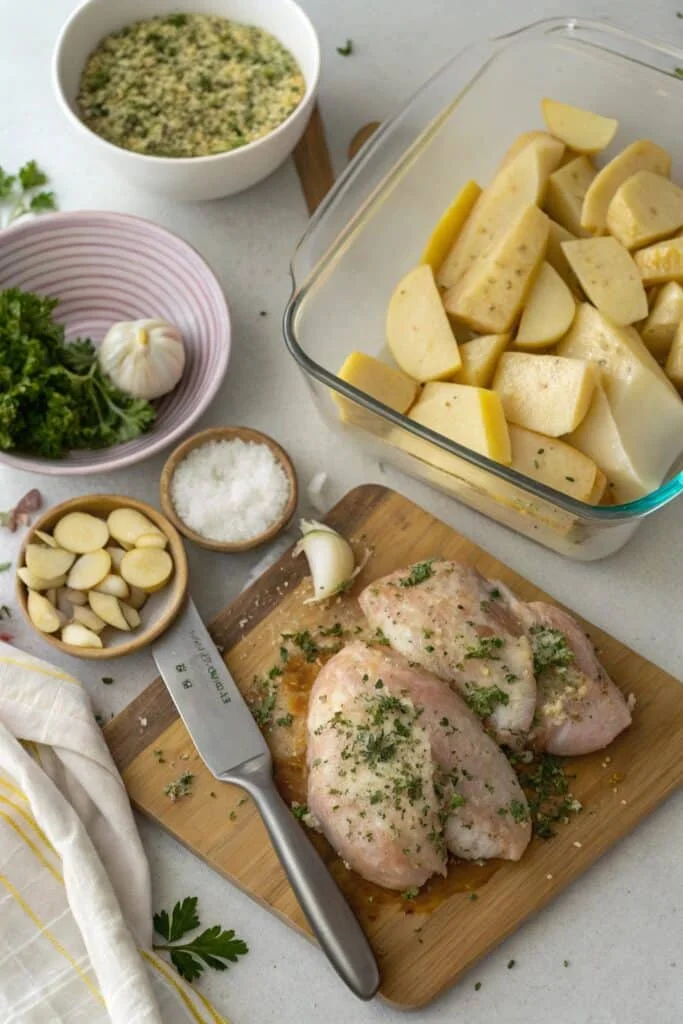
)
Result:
{"points": [[144, 358]]}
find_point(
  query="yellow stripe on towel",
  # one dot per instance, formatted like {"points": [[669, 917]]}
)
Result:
{"points": [[39, 669], [160, 965], [32, 846]]}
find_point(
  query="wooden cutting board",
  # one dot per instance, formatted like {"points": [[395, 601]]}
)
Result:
{"points": [[423, 946]]}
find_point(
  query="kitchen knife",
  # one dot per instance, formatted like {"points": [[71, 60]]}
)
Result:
{"points": [[234, 750]]}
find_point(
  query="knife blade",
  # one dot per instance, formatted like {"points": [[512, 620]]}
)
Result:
{"points": [[233, 748]]}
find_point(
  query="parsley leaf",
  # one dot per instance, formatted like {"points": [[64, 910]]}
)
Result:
{"points": [[31, 176], [214, 947], [485, 648], [6, 183], [42, 201], [550, 648], [418, 574], [4, 566], [347, 50], [485, 700]]}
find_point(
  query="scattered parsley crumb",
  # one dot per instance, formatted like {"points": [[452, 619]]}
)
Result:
{"points": [[233, 815], [511, 964], [4, 566], [347, 49], [159, 756], [180, 787], [418, 574], [473, 897], [107, 680], [243, 801], [212, 794], [410, 894], [565, 963], [285, 721], [477, 986]]}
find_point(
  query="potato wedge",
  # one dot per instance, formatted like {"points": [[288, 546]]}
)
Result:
{"points": [[87, 617], [635, 385], [127, 524], [89, 570], [545, 393], [609, 277], [418, 332], [674, 362], [470, 416], [131, 615], [617, 351], [645, 209], [137, 598], [78, 635], [75, 596], [147, 568], [579, 129], [661, 262], [480, 358], [567, 187], [449, 226], [557, 259], [642, 155], [548, 311], [599, 437], [597, 495], [108, 608], [384, 383], [553, 463], [34, 582], [48, 563], [521, 180], [666, 314], [490, 295], [42, 613], [116, 554], [80, 532], [115, 585], [46, 539]]}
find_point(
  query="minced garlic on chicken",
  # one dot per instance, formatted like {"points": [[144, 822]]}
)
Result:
{"points": [[188, 85]]}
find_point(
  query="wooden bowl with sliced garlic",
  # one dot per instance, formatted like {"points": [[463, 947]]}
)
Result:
{"points": [[101, 576]]}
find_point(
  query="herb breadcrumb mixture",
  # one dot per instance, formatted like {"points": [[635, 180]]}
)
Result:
{"points": [[188, 85]]}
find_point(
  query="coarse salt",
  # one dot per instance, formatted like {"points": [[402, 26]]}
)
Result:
{"points": [[230, 491]]}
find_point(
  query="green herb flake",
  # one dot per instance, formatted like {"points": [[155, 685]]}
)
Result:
{"points": [[335, 630], [380, 638], [678, 72], [477, 986], [158, 756], [518, 811], [306, 644], [571, 479], [214, 947], [457, 801], [484, 700], [410, 894], [4, 566], [485, 648], [180, 787], [511, 964], [285, 721], [5, 612], [347, 49], [495, 593], [107, 680], [550, 648], [565, 963], [299, 811], [418, 574], [473, 897]]}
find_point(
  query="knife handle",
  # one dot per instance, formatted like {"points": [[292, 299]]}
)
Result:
{"points": [[333, 922]]}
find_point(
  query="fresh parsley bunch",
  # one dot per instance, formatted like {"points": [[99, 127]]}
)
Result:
{"points": [[53, 395], [213, 947]]}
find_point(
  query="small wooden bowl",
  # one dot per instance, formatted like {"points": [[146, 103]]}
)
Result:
{"points": [[173, 595], [228, 434]]}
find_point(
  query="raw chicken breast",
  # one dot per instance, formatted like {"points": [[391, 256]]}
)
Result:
{"points": [[579, 708], [400, 769], [451, 620]]}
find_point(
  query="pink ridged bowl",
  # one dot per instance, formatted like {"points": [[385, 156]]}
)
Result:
{"points": [[107, 267]]}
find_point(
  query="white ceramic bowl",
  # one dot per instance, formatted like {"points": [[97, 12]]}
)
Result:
{"points": [[205, 177]]}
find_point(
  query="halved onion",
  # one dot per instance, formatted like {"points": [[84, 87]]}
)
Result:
{"points": [[330, 559]]}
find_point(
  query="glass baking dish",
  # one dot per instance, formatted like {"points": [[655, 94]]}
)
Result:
{"points": [[371, 228]]}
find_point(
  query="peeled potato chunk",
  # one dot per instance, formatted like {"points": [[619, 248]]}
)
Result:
{"points": [[553, 463], [108, 608], [490, 295], [80, 532], [660, 327], [479, 359], [557, 259], [582, 130], [548, 311], [385, 383], [130, 614], [449, 226], [471, 416], [87, 617], [642, 155], [47, 539], [75, 596], [521, 180], [34, 582], [661, 262], [89, 570], [49, 563], [116, 554], [127, 524], [418, 332], [147, 568], [567, 188], [674, 363], [155, 540], [609, 278], [78, 635], [42, 613], [137, 598], [545, 393], [645, 209], [114, 585]]}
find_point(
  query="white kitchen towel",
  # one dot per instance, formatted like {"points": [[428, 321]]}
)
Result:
{"points": [[75, 899]]}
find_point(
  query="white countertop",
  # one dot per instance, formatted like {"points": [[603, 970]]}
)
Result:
{"points": [[620, 925]]}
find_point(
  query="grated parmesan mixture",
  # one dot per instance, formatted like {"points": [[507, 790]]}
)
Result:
{"points": [[230, 491]]}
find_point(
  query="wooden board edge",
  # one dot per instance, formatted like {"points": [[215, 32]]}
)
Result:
{"points": [[125, 734]]}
